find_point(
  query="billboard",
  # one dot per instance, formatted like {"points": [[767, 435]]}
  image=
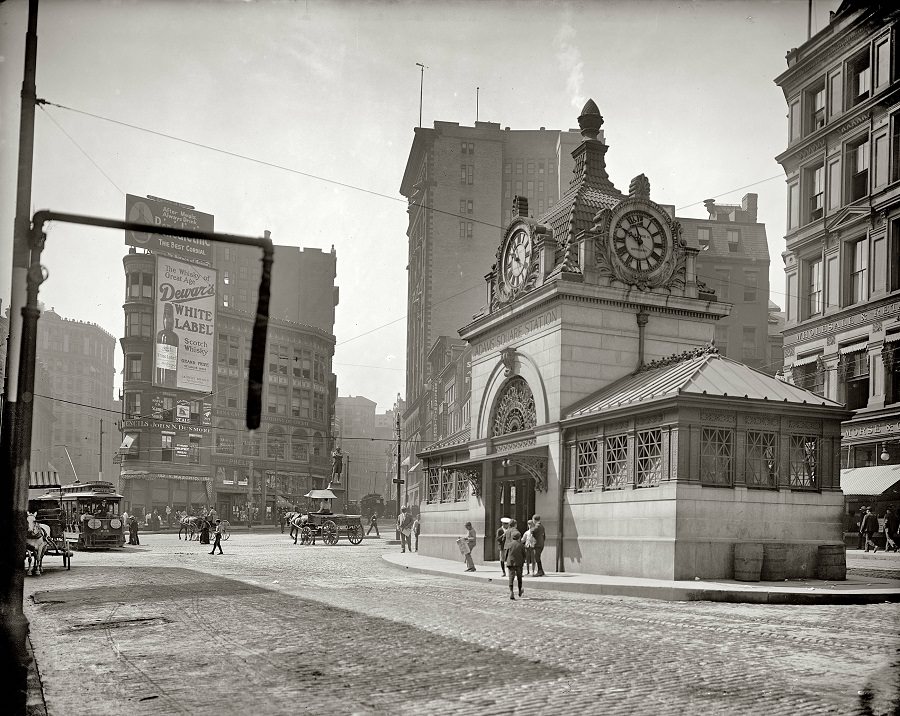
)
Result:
{"points": [[184, 325], [162, 212]]}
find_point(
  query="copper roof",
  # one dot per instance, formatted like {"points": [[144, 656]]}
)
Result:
{"points": [[699, 374]]}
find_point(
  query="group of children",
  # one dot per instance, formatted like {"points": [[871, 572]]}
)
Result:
{"points": [[518, 550]]}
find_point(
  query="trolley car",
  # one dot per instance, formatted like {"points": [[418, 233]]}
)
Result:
{"points": [[91, 515]]}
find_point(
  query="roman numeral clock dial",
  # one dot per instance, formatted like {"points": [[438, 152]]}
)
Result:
{"points": [[639, 242]]}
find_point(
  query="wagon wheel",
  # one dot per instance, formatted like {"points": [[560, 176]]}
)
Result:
{"points": [[329, 532], [226, 530], [354, 534], [305, 535]]}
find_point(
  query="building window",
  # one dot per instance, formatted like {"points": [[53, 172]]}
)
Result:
{"points": [[748, 347], [519, 166], [226, 277], [507, 168], [467, 174], [721, 338], [762, 459], [134, 367], [462, 484], [138, 285], [734, 239], [723, 281], [467, 148], [529, 189], [519, 188], [447, 491], [858, 256], [716, 456], [890, 358], [751, 287], [814, 286], [540, 187], [816, 103], [794, 122], [616, 462], [167, 445], [793, 205], [275, 443], [803, 462], [299, 446], [540, 167], [809, 373], [859, 78], [857, 162], [587, 463], [194, 449], [815, 179], [250, 446], [703, 236], [649, 458], [853, 372], [530, 166], [507, 189], [224, 442], [226, 300], [133, 404], [432, 486]]}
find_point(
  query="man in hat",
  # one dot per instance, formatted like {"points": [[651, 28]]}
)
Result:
{"points": [[860, 516], [218, 542], [501, 542], [404, 525], [540, 537], [870, 528]]}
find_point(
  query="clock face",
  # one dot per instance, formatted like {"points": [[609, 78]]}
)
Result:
{"points": [[639, 241], [517, 259]]}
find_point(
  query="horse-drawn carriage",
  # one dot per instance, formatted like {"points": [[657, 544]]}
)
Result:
{"points": [[46, 532], [324, 524]]}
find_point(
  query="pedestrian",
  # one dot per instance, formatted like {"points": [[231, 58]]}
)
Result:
{"points": [[891, 525], [169, 516], [539, 537], [281, 519], [373, 525], [501, 542], [416, 528], [133, 531], [218, 542], [528, 543], [870, 528], [404, 525], [515, 558], [860, 516], [466, 545], [249, 519], [204, 531]]}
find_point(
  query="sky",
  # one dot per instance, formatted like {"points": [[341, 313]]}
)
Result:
{"points": [[328, 93]]}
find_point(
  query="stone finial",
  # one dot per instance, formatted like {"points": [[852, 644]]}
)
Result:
{"points": [[520, 206], [590, 120], [639, 187]]}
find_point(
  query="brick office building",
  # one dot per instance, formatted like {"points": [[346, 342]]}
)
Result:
{"points": [[459, 182], [842, 259]]}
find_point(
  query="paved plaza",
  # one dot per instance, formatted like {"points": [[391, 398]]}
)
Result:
{"points": [[270, 627]]}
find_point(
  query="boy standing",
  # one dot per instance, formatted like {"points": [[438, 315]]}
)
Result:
{"points": [[218, 542], [515, 558]]}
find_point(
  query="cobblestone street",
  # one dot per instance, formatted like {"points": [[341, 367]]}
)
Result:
{"points": [[166, 628]]}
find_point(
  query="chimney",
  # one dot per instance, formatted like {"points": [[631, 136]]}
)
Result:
{"points": [[749, 205]]}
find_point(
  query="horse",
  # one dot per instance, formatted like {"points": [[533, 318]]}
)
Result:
{"points": [[298, 522], [189, 525], [36, 544]]}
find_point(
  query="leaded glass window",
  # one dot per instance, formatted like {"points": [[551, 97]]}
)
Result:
{"points": [[716, 456], [616, 462], [762, 459], [649, 458], [587, 464], [462, 493], [447, 493], [432, 488], [804, 461]]}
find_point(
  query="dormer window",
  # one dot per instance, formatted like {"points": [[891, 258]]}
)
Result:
{"points": [[704, 234]]}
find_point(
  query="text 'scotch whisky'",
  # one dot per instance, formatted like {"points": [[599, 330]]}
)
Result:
{"points": [[167, 350]]}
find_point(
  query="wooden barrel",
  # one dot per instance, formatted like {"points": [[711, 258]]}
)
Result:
{"points": [[831, 562], [748, 560], [774, 559]]}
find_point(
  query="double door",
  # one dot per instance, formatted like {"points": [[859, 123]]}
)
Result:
{"points": [[513, 498]]}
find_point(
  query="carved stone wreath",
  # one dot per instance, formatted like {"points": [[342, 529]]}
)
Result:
{"points": [[514, 408]]}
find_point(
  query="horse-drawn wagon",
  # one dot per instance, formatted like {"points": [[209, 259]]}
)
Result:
{"points": [[46, 532], [324, 524]]}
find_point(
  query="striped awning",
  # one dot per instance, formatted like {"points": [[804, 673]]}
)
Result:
{"points": [[806, 360], [869, 481], [892, 337], [44, 478], [854, 348]]}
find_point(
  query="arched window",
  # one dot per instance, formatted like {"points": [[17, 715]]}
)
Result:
{"points": [[299, 445], [513, 408], [275, 442]]}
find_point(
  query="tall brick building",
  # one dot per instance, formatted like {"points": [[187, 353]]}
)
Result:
{"points": [[460, 182], [842, 259]]}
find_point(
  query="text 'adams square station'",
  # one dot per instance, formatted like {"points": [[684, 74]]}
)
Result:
{"points": [[599, 401]]}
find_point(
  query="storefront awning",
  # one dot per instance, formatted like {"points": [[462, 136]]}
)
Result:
{"points": [[806, 360], [892, 337], [854, 348], [869, 481]]}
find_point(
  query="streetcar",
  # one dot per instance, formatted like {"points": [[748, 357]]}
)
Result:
{"points": [[92, 516]]}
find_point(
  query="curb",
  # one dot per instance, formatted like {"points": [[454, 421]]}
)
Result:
{"points": [[675, 592]]}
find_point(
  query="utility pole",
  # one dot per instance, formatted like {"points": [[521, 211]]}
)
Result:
{"points": [[15, 434], [477, 90], [421, 84], [101, 450], [397, 479]]}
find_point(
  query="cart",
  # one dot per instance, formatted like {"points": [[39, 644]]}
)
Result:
{"points": [[49, 515], [326, 525]]}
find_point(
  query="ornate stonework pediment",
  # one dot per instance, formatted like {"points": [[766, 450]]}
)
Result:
{"points": [[514, 408], [846, 216]]}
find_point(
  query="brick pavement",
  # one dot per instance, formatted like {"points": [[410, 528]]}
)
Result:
{"points": [[166, 628]]}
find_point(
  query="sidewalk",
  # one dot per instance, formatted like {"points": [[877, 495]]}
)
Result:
{"points": [[855, 590]]}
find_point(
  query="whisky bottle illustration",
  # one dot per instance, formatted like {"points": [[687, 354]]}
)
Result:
{"points": [[167, 350]]}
